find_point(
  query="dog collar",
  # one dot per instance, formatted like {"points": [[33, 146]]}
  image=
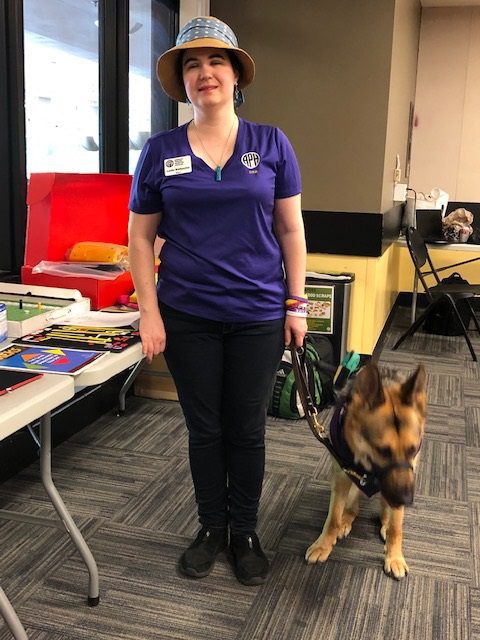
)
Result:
{"points": [[365, 480]]}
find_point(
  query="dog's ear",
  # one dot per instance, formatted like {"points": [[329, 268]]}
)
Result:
{"points": [[413, 386], [369, 386]]}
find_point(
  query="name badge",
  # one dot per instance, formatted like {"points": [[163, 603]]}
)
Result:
{"points": [[176, 166]]}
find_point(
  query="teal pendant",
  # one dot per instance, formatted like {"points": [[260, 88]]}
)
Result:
{"points": [[218, 174]]}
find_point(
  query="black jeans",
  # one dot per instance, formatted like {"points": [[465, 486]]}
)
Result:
{"points": [[224, 373]]}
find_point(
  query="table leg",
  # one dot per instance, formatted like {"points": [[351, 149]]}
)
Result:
{"points": [[11, 618], [61, 509], [126, 386]]}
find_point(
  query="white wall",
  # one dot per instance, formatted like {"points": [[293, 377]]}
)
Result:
{"points": [[406, 33], [446, 138]]}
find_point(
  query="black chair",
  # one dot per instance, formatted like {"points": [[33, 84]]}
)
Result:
{"points": [[441, 292]]}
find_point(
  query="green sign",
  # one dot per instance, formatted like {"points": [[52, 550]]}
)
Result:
{"points": [[320, 309]]}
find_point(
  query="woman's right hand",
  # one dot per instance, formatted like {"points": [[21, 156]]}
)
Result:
{"points": [[152, 334]]}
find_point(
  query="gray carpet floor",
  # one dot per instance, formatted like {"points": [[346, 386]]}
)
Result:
{"points": [[126, 482]]}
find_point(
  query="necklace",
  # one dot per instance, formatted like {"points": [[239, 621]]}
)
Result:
{"points": [[218, 165]]}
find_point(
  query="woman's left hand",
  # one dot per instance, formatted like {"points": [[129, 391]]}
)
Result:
{"points": [[295, 330]]}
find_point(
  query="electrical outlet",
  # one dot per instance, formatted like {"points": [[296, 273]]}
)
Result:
{"points": [[400, 192]]}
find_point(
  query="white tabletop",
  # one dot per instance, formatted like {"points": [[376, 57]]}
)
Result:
{"points": [[450, 246], [21, 406], [108, 366], [104, 368]]}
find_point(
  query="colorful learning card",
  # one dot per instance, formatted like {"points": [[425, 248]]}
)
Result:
{"points": [[46, 359]]}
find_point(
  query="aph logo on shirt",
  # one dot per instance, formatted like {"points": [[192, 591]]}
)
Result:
{"points": [[251, 159]]}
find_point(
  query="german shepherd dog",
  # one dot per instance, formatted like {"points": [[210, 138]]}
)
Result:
{"points": [[382, 428]]}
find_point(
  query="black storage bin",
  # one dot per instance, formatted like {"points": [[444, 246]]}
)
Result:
{"points": [[328, 309], [441, 319]]}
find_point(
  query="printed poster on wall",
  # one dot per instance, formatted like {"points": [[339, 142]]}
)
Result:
{"points": [[320, 309]]}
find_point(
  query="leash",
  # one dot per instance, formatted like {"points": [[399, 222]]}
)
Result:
{"points": [[311, 414]]}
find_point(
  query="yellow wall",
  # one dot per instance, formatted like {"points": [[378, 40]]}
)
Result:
{"points": [[373, 293], [378, 282], [440, 257]]}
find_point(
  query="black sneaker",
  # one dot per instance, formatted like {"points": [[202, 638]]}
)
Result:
{"points": [[250, 563], [197, 561]]}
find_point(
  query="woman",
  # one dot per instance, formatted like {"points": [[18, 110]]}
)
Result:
{"points": [[224, 195]]}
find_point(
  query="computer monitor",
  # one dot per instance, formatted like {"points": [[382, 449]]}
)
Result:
{"points": [[429, 224]]}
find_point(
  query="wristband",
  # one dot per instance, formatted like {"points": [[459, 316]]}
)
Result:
{"points": [[300, 310], [297, 308], [293, 300]]}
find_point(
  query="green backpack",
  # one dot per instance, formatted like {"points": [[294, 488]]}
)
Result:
{"points": [[284, 400]]}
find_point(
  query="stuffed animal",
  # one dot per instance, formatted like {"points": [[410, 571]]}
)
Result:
{"points": [[457, 226]]}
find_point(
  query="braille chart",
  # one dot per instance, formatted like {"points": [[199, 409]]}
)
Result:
{"points": [[112, 339]]}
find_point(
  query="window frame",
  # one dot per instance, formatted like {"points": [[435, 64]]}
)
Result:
{"points": [[13, 180]]}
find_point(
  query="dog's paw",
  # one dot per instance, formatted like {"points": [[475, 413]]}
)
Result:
{"points": [[345, 529], [318, 551], [396, 567]]}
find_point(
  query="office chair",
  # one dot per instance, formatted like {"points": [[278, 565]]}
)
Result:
{"points": [[440, 292]]}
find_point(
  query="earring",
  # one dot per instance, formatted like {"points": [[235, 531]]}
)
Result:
{"points": [[187, 100], [238, 97]]}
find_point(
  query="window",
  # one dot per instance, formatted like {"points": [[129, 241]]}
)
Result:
{"points": [[53, 57], [152, 29], [61, 86], [62, 79]]}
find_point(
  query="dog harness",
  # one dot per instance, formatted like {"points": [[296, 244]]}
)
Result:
{"points": [[365, 480]]}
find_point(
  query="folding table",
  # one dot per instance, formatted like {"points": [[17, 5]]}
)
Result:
{"points": [[17, 409], [34, 401]]}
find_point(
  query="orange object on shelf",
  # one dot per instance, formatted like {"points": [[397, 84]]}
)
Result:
{"points": [[93, 251]]}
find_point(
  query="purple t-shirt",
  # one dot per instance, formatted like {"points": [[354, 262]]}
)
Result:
{"points": [[221, 259]]}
